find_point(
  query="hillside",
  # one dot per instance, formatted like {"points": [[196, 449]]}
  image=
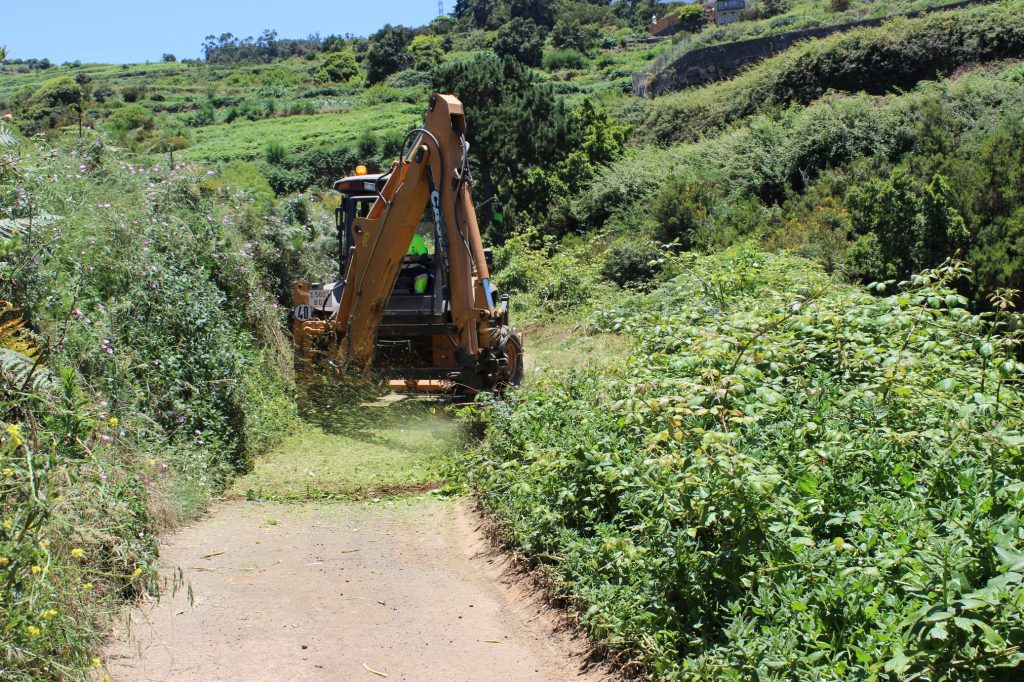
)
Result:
{"points": [[772, 424]]}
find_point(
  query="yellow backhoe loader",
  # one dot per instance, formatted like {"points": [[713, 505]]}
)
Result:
{"points": [[414, 301]]}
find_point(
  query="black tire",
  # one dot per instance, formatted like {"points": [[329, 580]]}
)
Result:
{"points": [[507, 345]]}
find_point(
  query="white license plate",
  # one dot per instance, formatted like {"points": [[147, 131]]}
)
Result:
{"points": [[318, 298]]}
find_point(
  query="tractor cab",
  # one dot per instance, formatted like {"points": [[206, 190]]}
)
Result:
{"points": [[418, 295]]}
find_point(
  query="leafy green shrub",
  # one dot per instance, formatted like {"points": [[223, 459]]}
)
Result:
{"points": [[275, 152], [59, 91], [568, 33], [631, 261], [204, 116], [133, 93], [385, 94], [564, 59], [410, 79], [545, 281], [52, 104], [683, 211], [130, 117], [426, 52], [781, 462], [691, 17]]}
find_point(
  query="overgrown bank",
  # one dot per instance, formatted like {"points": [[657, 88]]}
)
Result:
{"points": [[788, 478], [143, 364]]}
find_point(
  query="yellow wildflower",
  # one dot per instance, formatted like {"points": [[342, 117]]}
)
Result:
{"points": [[33, 631], [36, 569], [48, 614], [113, 421], [4, 561], [137, 572], [8, 524], [14, 431], [87, 586], [78, 552], [96, 662], [45, 544], [8, 472]]}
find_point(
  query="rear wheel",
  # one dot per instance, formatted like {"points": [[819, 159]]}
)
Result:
{"points": [[508, 348]]}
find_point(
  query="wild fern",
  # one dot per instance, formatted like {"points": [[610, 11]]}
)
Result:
{"points": [[20, 366]]}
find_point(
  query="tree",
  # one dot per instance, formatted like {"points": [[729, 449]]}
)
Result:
{"points": [[333, 43], [524, 138], [168, 57], [691, 17], [522, 40], [387, 53], [487, 14], [443, 25], [337, 67], [540, 11], [773, 8], [425, 52], [571, 34]]}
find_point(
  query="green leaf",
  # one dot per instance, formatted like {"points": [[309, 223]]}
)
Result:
{"points": [[991, 637], [898, 664]]}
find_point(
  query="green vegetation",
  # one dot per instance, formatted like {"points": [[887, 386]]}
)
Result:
{"points": [[788, 478], [875, 60], [143, 365], [733, 461]]}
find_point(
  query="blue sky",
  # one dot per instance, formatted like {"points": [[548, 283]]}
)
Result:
{"points": [[121, 31]]}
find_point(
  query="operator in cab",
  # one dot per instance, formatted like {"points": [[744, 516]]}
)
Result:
{"points": [[415, 269]]}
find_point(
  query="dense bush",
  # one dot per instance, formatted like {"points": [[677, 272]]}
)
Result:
{"points": [[682, 211], [564, 59], [546, 281], [789, 479], [631, 262], [131, 117], [52, 104]]}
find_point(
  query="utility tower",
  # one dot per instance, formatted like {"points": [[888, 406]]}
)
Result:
{"points": [[440, 8]]}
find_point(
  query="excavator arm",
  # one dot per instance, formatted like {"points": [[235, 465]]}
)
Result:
{"points": [[433, 171]]}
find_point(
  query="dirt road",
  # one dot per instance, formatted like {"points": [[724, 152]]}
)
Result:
{"points": [[406, 589]]}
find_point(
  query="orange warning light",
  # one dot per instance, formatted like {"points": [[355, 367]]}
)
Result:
{"points": [[360, 170]]}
